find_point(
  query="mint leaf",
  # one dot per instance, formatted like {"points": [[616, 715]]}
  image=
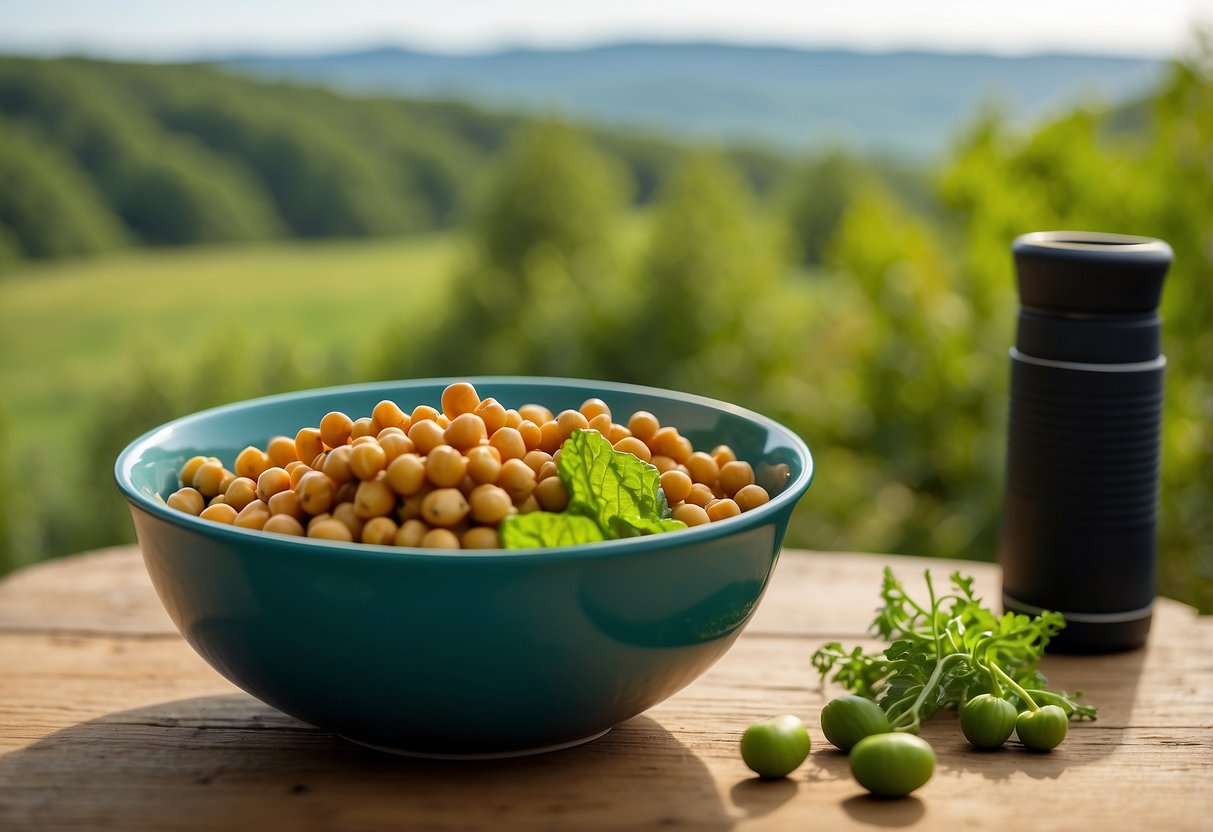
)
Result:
{"points": [[541, 529], [620, 491], [612, 494]]}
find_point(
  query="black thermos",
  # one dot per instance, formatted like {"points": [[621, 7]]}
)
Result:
{"points": [[1084, 436]]}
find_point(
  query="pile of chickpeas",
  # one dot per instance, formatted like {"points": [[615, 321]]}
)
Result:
{"points": [[446, 478]]}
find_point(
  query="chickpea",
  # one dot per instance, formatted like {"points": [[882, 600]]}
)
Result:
{"points": [[253, 516], [550, 438], [509, 442], [528, 505], [330, 529], [444, 507], [410, 533], [751, 496], [592, 408], [691, 514], [569, 421], [281, 450], [387, 414], [493, 414], [271, 481], [668, 442], [219, 513], [664, 463], [440, 539], [379, 531], [410, 507], [422, 413], [536, 413], [617, 432], [551, 494], [480, 537], [735, 475], [643, 425], [283, 524], [700, 495], [191, 467], [466, 430], [703, 468], [347, 515], [723, 455], [427, 435], [375, 498], [319, 518], [394, 443], [308, 444], [445, 466], [517, 478], [336, 464], [187, 499], [459, 398], [490, 504], [536, 460], [287, 502], [676, 486], [252, 462], [530, 433], [512, 419], [217, 500], [363, 427], [297, 470], [601, 423], [484, 464], [335, 428], [722, 509], [346, 492], [240, 492], [548, 469], [632, 445], [209, 478], [367, 459]]}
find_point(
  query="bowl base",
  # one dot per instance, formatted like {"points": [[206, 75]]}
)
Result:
{"points": [[491, 755]]}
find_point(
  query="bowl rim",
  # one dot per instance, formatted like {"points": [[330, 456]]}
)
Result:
{"points": [[762, 515]]}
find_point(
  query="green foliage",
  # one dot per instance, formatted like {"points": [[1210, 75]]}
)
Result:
{"points": [[540, 281], [946, 651], [166, 188], [48, 206]]}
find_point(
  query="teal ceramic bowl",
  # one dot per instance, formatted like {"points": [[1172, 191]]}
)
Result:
{"points": [[450, 653]]}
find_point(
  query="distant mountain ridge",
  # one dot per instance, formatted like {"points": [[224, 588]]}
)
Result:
{"points": [[905, 103]]}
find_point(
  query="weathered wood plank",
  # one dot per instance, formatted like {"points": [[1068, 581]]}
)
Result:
{"points": [[109, 721]]}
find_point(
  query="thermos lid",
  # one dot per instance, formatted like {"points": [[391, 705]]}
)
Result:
{"points": [[1090, 273]]}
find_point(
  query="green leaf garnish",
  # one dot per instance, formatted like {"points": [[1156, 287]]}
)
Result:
{"points": [[617, 493], [946, 651], [541, 529]]}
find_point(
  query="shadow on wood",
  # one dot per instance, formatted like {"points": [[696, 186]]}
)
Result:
{"points": [[232, 762]]}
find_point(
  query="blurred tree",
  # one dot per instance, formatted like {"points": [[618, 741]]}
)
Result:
{"points": [[48, 207], [815, 200], [540, 284]]}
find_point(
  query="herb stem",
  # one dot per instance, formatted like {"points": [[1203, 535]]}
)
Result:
{"points": [[1013, 685]]}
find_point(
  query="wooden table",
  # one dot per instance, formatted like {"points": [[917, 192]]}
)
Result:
{"points": [[109, 721]]}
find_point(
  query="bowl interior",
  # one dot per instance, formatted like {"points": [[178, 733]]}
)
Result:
{"points": [[147, 470]]}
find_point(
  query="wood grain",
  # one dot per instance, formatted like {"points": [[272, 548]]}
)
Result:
{"points": [[109, 721]]}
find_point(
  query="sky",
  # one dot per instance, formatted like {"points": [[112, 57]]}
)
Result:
{"points": [[171, 29]]}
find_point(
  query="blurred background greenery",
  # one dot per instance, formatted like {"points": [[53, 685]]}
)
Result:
{"points": [[174, 237]]}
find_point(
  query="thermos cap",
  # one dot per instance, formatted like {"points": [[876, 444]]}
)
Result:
{"points": [[1085, 273]]}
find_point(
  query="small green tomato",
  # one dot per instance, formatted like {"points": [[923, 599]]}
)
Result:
{"points": [[987, 720], [892, 765], [775, 747], [1042, 729], [848, 719]]}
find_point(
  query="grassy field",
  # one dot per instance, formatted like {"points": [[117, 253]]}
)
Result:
{"points": [[69, 329]]}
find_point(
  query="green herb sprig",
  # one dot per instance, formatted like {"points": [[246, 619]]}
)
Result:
{"points": [[945, 652]]}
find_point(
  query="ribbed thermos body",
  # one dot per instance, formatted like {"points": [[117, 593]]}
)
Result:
{"points": [[1084, 435]]}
